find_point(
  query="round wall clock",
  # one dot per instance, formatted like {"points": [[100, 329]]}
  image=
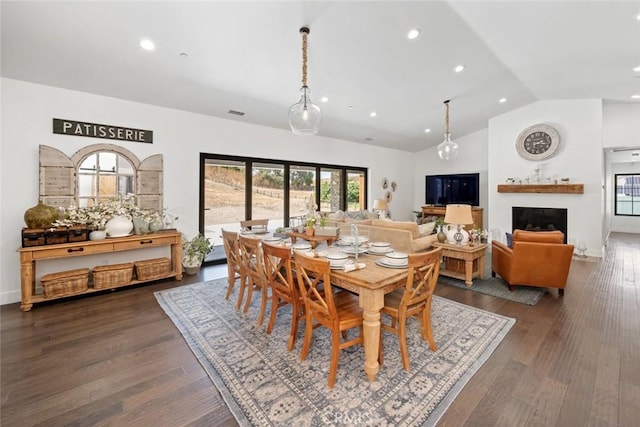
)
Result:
{"points": [[538, 142]]}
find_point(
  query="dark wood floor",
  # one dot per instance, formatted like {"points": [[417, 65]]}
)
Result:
{"points": [[116, 359]]}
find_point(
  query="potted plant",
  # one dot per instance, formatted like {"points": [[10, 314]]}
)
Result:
{"points": [[193, 252], [308, 226]]}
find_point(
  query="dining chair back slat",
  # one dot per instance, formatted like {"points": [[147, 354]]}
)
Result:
{"points": [[414, 299], [337, 311], [254, 273], [284, 289], [234, 265]]}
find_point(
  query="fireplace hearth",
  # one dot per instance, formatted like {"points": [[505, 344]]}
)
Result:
{"points": [[539, 219]]}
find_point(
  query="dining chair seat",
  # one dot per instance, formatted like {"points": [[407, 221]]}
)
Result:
{"points": [[414, 299], [337, 311]]}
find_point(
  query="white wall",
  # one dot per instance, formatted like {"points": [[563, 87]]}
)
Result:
{"points": [[472, 157], [26, 119], [579, 158]]}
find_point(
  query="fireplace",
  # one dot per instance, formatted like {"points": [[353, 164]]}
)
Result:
{"points": [[539, 219]]}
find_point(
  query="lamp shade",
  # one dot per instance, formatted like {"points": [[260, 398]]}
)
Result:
{"points": [[458, 214], [380, 204]]}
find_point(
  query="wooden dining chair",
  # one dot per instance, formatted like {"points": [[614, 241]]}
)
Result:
{"points": [[254, 224], [254, 274], [284, 289], [414, 299], [337, 311], [234, 266]]}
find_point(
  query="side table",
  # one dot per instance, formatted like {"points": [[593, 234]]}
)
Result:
{"points": [[463, 262]]}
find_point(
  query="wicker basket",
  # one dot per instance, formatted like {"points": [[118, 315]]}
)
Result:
{"points": [[65, 282], [109, 276], [155, 268]]}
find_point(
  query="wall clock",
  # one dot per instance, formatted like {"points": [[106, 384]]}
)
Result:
{"points": [[538, 142]]}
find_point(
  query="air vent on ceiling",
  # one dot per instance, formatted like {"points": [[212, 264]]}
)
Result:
{"points": [[635, 154], [237, 113]]}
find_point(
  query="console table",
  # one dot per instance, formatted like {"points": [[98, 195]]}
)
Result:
{"points": [[29, 256], [476, 213]]}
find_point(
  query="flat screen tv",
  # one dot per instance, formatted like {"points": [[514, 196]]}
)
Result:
{"points": [[462, 188]]}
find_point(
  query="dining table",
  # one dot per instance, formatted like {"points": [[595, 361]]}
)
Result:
{"points": [[371, 283]]}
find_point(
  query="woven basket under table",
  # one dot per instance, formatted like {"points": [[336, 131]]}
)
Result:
{"points": [[155, 268], [65, 282], [109, 276]]}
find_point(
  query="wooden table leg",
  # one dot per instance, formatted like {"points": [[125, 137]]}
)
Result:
{"points": [[371, 302], [468, 273], [27, 281]]}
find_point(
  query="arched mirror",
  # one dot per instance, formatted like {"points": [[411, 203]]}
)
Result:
{"points": [[99, 172], [104, 175]]}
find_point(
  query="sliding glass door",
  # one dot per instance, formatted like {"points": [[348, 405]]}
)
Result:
{"points": [[234, 189]]}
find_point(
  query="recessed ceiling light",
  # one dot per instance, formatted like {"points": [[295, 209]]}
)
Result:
{"points": [[373, 114], [324, 99], [413, 33], [147, 44], [427, 130], [502, 100], [459, 68], [638, 17], [350, 107], [184, 54], [635, 96], [637, 69]]}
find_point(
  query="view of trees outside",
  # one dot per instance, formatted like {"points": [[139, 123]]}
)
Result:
{"points": [[225, 194]]}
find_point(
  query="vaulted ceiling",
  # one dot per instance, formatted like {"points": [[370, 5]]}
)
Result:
{"points": [[212, 57]]}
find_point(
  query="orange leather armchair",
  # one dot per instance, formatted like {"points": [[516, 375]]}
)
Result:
{"points": [[536, 259]]}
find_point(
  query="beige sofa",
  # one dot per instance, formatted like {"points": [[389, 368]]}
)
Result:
{"points": [[403, 236]]}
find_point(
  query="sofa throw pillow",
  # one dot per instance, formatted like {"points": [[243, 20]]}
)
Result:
{"points": [[426, 229], [509, 240]]}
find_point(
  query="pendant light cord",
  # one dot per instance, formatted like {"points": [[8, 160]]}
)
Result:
{"points": [[446, 116], [305, 32]]}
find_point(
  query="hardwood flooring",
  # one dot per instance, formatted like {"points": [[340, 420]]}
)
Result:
{"points": [[116, 359]]}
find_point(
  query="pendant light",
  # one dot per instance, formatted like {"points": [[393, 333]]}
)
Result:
{"points": [[305, 117], [447, 149]]}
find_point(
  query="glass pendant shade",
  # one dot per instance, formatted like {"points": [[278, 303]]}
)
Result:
{"points": [[305, 117], [447, 149]]}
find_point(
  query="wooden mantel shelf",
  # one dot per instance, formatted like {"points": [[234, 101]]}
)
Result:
{"points": [[541, 188]]}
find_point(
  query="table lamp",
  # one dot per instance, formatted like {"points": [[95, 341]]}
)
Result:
{"points": [[380, 205], [458, 216]]}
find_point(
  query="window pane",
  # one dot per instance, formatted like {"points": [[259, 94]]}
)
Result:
{"points": [[89, 164], [627, 194], [267, 198], [355, 191], [330, 190], [107, 162], [224, 195], [86, 185], [302, 192]]}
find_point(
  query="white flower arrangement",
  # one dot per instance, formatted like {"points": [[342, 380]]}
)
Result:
{"points": [[96, 216]]}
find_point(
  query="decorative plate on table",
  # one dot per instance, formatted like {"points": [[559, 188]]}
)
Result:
{"points": [[350, 240], [341, 267], [381, 252], [382, 263], [351, 251]]}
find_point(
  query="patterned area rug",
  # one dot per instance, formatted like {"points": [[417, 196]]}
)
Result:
{"points": [[497, 287], [264, 385]]}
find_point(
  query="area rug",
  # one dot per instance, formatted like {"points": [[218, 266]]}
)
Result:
{"points": [[497, 287], [264, 385]]}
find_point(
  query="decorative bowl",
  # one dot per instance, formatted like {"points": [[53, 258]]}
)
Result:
{"points": [[337, 259], [396, 258]]}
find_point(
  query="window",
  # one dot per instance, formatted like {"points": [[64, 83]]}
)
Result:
{"points": [[627, 195]]}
